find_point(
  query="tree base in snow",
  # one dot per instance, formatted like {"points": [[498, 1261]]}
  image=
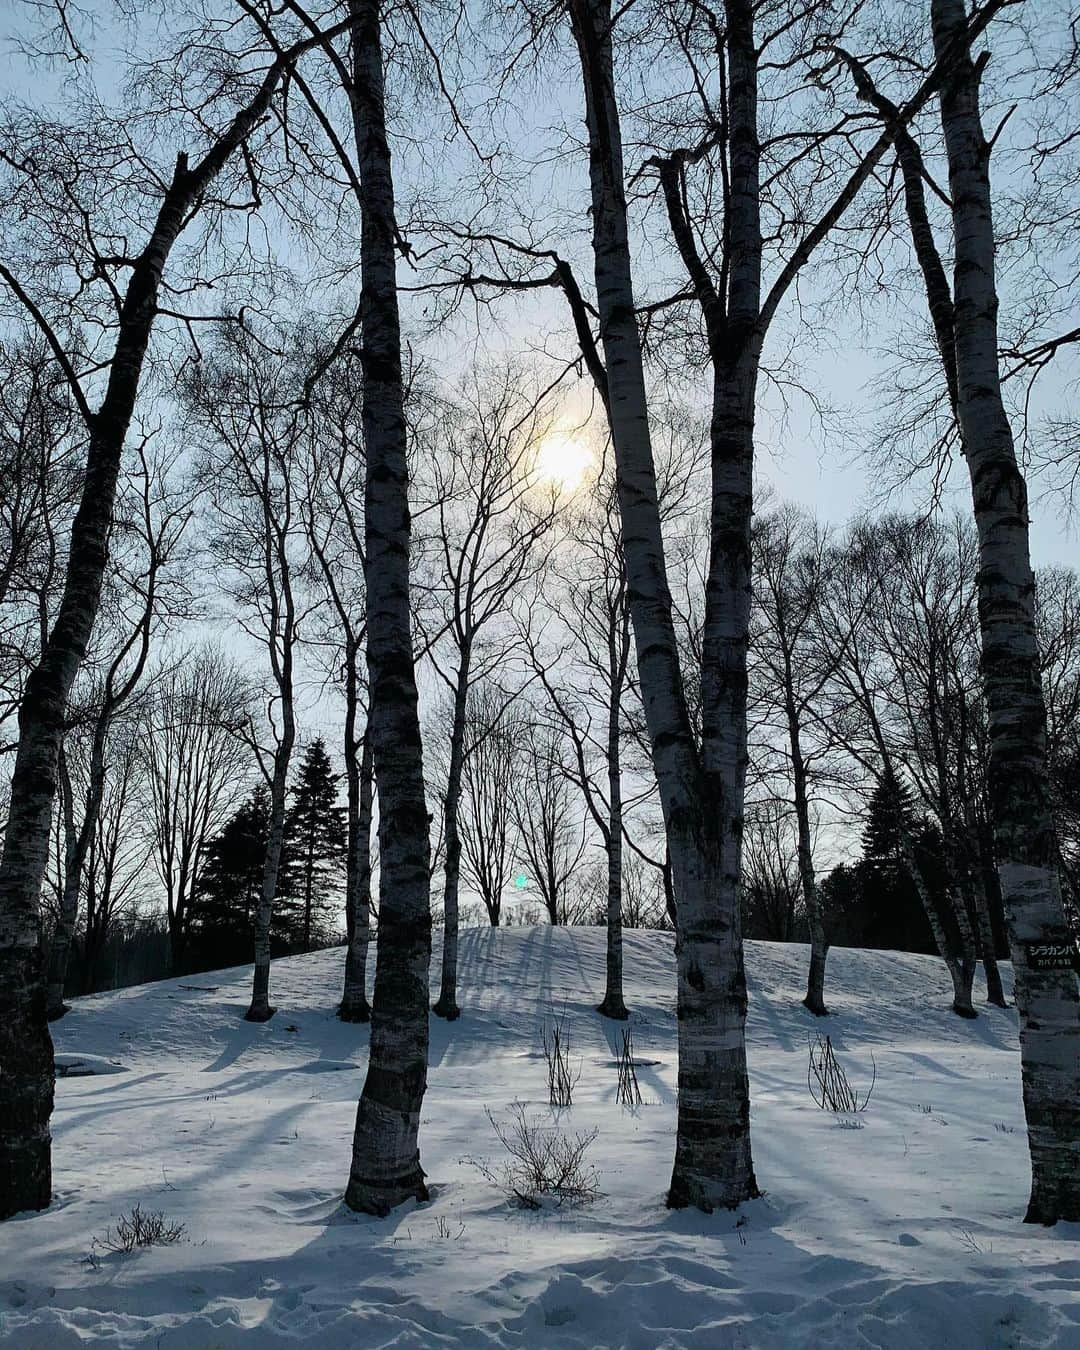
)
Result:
{"points": [[25, 1179], [260, 1014], [354, 1012], [380, 1198], [1046, 1210], [614, 1008], [812, 1005], [691, 1192], [447, 1009], [961, 1010]]}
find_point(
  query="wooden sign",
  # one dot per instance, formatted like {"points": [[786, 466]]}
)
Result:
{"points": [[1052, 955]]}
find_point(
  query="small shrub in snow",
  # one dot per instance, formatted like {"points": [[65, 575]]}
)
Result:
{"points": [[545, 1163], [828, 1083], [446, 1231], [627, 1093], [562, 1079], [971, 1243], [140, 1228]]}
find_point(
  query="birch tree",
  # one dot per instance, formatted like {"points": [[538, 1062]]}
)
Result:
{"points": [[489, 514], [333, 516], [1047, 993], [156, 515], [964, 315], [242, 399], [586, 682], [386, 1159], [47, 168], [788, 572]]}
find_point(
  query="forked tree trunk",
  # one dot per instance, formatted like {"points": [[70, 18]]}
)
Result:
{"points": [[447, 1004], [1041, 943], [354, 1003], [386, 1158], [712, 1161]]}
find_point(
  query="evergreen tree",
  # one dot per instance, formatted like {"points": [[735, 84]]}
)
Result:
{"points": [[313, 865], [228, 888], [892, 913], [891, 814]]}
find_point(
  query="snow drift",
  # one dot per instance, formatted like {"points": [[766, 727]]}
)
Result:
{"points": [[905, 1232]]}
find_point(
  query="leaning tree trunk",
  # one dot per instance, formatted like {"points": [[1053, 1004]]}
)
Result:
{"points": [[386, 1158], [613, 1004], [260, 1009], [712, 1160], [961, 973], [447, 1004], [354, 1003], [26, 1054], [1043, 948]]}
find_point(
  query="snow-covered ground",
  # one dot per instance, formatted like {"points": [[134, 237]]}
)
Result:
{"points": [[905, 1232]]}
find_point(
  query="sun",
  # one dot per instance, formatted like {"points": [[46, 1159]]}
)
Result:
{"points": [[562, 460]]}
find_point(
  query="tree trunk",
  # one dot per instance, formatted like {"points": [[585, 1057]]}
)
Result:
{"points": [[819, 946], [447, 1005], [26, 1054], [995, 991], [613, 1004], [354, 1004], [261, 1009], [961, 973], [309, 869], [712, 1157], [64, 935], [1019, 791], [386, 1158]]}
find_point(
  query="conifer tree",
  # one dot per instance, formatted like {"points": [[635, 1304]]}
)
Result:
{"points": [[893, 915], [229, 886], [315, 847]]}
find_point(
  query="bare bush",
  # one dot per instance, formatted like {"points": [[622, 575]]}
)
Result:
{"points": [[627, 1093], [140, 1228], [828, 1083], [562, 1078], [545, 1163]]}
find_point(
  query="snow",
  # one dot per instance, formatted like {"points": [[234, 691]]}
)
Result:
{"points": [[903, 1233]]}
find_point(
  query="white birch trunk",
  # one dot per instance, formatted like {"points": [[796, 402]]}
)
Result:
{"points": [[712, 1162], [386, 1167], [1018, 789]]}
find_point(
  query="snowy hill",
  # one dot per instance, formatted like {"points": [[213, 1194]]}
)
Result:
{"points": [[902, 1233]]}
